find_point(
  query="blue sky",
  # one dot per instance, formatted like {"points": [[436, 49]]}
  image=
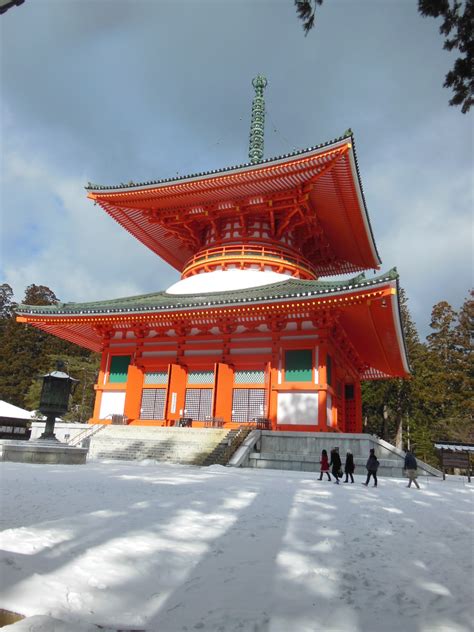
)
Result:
{"points": [[110, 91]]}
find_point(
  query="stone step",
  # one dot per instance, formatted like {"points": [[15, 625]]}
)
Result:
{"points": [[175, 445]]}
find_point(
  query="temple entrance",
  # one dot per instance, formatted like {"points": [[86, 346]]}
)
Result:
{"points": [[199, 395]]}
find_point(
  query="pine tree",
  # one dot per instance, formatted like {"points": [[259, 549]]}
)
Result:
{"points": [[456, 422], [39, 295], [82, 368], [457, 29], [442, 344], [387, 403], [6, 301], [28, 352]]}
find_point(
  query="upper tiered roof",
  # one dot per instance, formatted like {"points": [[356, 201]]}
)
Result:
{"points": [[314, 194]]}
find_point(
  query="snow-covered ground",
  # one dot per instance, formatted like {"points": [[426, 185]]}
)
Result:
{"points": [[176, 548]]}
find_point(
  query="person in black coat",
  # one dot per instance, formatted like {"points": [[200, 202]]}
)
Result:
{"points": [[335, 464], [372, 466], [349, 467], [411, 467]]}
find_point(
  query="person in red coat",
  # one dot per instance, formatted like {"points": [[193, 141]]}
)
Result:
{"points": [[324, 465]]}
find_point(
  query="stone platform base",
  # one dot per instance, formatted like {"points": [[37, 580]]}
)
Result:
{"points": [[51, 452], [301, 451]]}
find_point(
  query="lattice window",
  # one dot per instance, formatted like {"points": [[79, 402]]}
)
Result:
{"points": [[158, 377], [198, 403], [249, 377], [201, 377], [248, 403], [153, 403]]}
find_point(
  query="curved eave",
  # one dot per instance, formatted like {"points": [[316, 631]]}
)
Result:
{"points": [[370, 317], [375, 329], [337, 198]]}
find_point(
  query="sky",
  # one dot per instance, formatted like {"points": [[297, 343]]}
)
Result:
{"points": [[156, 547], [109, 91]]}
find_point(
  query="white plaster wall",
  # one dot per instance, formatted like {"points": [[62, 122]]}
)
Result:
{"points": [[112, 403], [298, 408], [63, 431], [329, 409], [225, 280]]}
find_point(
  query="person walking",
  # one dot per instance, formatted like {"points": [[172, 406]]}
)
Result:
{"points": [[411, 467], [372, 466], [336, 464], [324, 465], [349, 467]]}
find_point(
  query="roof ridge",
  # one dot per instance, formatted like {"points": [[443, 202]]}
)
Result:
{"points": [[99, 187], [162, 300]]}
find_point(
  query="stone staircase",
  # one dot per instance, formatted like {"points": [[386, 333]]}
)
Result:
{"points": [[192, 446], [227, 447]]}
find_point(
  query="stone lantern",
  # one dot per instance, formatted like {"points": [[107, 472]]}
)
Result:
{"points": [[54, 400]]}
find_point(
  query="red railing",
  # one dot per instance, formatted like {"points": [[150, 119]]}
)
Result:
{"points": [[223, 256]]}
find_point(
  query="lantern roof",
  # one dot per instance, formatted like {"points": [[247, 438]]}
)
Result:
{"points": [[60, 375]]}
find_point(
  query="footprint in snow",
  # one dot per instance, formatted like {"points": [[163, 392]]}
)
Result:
{"points": [[95, 583], [74, 599]]}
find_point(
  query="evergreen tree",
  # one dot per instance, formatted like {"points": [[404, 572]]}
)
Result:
{"points": [[28, 352], [444, 356], [443, 320], [6, 301], [457, 29], [39, 295], [387, 403], [82, 368], [22, 360], [454, 346]]}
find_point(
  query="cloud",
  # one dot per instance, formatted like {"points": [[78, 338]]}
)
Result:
{"points": [[421, 203], [52, 235], [151, 89]]}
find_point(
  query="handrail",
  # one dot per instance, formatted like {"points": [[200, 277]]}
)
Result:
{"points": [[85, 434], [248, 252]]}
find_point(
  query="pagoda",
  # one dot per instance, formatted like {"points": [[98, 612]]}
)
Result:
{"points": [[251, 333]]}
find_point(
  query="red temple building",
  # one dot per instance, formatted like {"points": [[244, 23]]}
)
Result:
{"points": [[252, 331]]}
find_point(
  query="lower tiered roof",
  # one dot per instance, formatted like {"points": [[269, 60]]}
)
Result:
{"points": [[367, 309]]}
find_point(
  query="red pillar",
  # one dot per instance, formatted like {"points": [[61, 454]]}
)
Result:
{"points": [[358, 406], [176, 392], [100, 386], [322, 383], [223, 392], [133, 394]]}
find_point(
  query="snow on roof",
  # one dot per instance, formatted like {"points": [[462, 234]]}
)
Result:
{"points": [[455, 447], [9, 410]]}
